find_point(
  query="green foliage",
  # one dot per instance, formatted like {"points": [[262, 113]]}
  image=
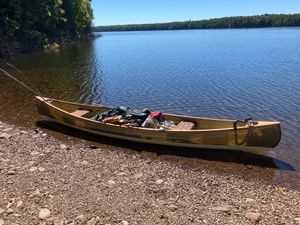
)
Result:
{"points": [[79, 16], [267, 20], [30, 24]]}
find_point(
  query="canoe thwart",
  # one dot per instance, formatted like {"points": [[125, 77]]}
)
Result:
{"points": [[80, 112], [183, 125]]}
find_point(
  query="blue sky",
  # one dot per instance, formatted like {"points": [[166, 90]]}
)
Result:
{"points": [[109, 12]]}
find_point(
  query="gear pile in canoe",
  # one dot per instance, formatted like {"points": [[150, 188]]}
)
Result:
{"points": [[135, 118]]}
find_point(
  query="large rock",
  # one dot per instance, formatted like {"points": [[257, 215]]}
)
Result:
{"points": [[222, 208], [11, 172], [253, 216], [5, 136], [159, 181], [59, 222], [44, 214], [94, 221]]}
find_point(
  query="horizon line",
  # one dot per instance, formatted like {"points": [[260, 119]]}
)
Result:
{"points": [[108, 25]]}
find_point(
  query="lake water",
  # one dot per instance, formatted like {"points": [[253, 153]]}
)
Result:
{"points": [[230, 73]]}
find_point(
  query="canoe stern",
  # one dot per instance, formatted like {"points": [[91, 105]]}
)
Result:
{"points": [[267, 136]]}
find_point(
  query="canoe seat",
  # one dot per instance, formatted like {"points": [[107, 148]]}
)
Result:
{"points": [[183, 125], [80, 112]]}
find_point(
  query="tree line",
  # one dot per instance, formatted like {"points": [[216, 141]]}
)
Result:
{"points": [[267, 20], [28, 25]]}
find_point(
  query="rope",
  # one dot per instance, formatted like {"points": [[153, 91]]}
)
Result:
{"points": [[19, 71], [18, 81], [250, 124]]}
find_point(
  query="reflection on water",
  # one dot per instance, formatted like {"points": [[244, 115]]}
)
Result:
{"points": [[213, 73]]}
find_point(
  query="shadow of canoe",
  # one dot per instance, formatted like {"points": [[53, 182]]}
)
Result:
{"points": [[216, 155]]}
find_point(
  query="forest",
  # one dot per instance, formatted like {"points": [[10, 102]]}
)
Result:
{"points": [[267, 20], [30, 25]]}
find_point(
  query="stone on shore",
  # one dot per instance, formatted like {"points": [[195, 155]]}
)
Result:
{"points": [[11, 172], [94, 221], [159, 181], [253, 216], [58, 222], [5, 136], [222, 208], [44, 213]]}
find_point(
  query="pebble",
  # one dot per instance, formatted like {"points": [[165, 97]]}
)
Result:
{"points": [[84, 162], [5, 136], [37, 130], [138, 176], [92, 146], [123, 222], [44, 213], [8, 129], [80, 217], [1, 211], [223, 208], [35, 136], [19, 203], [10, 173], [34, 153], [63, 146], [23, 132], [1, 222], [173, 208], [297, 220], [9, 204], [94, 221], [59, 222], [9, 211], [36, 193], [254, 217], [41, 169], [159, 181], [51, 196], [250, 200], [111, 182], [32, 169], [121, 174]]}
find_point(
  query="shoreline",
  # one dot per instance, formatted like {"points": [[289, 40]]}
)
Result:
{"points": [[50, 181], [14, 49]]}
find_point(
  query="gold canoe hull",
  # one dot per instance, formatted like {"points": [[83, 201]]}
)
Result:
{"points": [[208, 133]]}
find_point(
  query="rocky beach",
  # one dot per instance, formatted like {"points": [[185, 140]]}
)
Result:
{"points": [[45, 180]]}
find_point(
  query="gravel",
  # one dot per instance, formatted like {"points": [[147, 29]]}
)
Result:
{"points": [[45, 181]]}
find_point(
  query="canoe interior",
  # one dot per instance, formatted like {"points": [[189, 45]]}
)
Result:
{"points": [[200, 123]]}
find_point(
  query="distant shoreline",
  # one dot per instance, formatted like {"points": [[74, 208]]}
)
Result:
{"points": [[259, 21], [242, 28]]}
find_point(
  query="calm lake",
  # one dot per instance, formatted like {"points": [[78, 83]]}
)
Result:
{"points": [[230, 73]]}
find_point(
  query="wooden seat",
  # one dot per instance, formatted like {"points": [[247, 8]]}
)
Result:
{"points": [[80, 112], [183, 125]]}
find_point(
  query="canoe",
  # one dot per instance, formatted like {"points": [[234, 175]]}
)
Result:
{"points": [[206, 133]]}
